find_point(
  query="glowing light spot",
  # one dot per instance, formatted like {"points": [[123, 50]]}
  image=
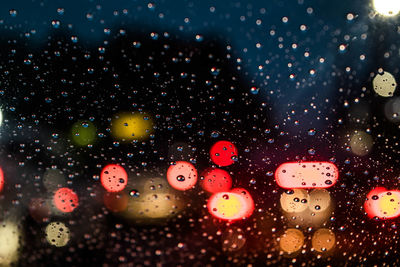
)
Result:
{"points": [[216, 180], [223, 153], [65, 199], [291, 241], [1, 179], [292, 175], [83, 133], [361, 143], [387, 7], [382, 203], [131, 126], [115, 202], [158, 206], [1, 116], [114, 178], [384, 84], [182, 176], [57, 234], [296, 200], [392, 110], [320, 200], [231, 205], [323, 240], [249, 207], [10, 236]]}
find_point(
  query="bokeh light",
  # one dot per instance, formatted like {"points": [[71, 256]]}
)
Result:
{"points": [[10, 241], [131, 126], [382, 203], [387, 7], [116, 202], [296, 200], [320, 200], [291, 241], [384, 84], [151, 200], [1, 179], [65, 199], [114, 178], [361, 143], [306, 209], [224, 153], [57, 234], [83, 133], [235, 205], [306, 175], [182, 175], [216, 180], [392, 110], [323, 240]]}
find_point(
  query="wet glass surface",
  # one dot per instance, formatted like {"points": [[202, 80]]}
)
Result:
{"points": [[199, 133]]}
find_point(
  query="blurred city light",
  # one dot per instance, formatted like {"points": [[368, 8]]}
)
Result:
{"points": [[317, 174]]}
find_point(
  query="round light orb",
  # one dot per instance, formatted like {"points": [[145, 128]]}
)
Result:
{"points": [[57, 234], [384, 84], [296, 200], [291, 241], [361, 143], [323, 240]]}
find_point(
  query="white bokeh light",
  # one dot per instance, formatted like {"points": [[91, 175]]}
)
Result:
{"points": [[387, 7]]}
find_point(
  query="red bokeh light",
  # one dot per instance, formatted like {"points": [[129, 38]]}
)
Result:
{"points": [[223, 153], [182, 176], [114, 178], [65, 199], [216, 180], [1, 179], [319, 174]]}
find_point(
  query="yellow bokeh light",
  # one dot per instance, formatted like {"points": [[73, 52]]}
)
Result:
{"points": [[229, 207], [389, 204], [57, 234], [387, 7], [131, 126], [83, 133], [384, 84], [9, 243]]}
